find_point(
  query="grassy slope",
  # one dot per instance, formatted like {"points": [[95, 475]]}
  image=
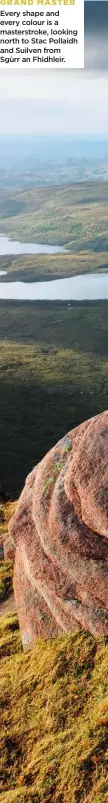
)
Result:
{"points": [[6, 511], [74, 215], [47, 267], [54, 709], [53, 375], [6, 572]]}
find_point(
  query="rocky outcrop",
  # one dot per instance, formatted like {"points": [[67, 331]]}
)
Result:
{"points": [[60, 537]]}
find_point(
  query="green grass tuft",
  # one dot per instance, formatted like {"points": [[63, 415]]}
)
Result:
{"points": [[54, 711], [6, 572]]}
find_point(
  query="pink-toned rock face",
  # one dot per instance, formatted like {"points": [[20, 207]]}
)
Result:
{"points": [[60, 537]]}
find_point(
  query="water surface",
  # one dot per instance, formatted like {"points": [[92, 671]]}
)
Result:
{"points": [[13, 247], [77, 288]]}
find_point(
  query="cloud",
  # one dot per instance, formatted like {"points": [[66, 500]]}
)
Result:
{"points": [[96, 17], [96, 35], [96, 52]]}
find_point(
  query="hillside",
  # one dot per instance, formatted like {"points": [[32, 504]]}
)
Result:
{"points": [[44, 267], [73, 216], [53, 375], [54, 719]]}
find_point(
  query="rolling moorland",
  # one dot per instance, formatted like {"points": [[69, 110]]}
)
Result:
{"points": [[51, 161], [53, 358], [53, 375], [74, 217], [41, 267]]}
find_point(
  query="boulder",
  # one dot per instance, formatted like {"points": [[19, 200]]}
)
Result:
{"points": [[59, 534]]}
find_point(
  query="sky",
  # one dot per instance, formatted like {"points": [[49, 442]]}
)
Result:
{"points": [[65, 101]]}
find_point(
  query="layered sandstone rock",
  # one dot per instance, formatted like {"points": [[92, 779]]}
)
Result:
{"points": [[60, 537]]}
